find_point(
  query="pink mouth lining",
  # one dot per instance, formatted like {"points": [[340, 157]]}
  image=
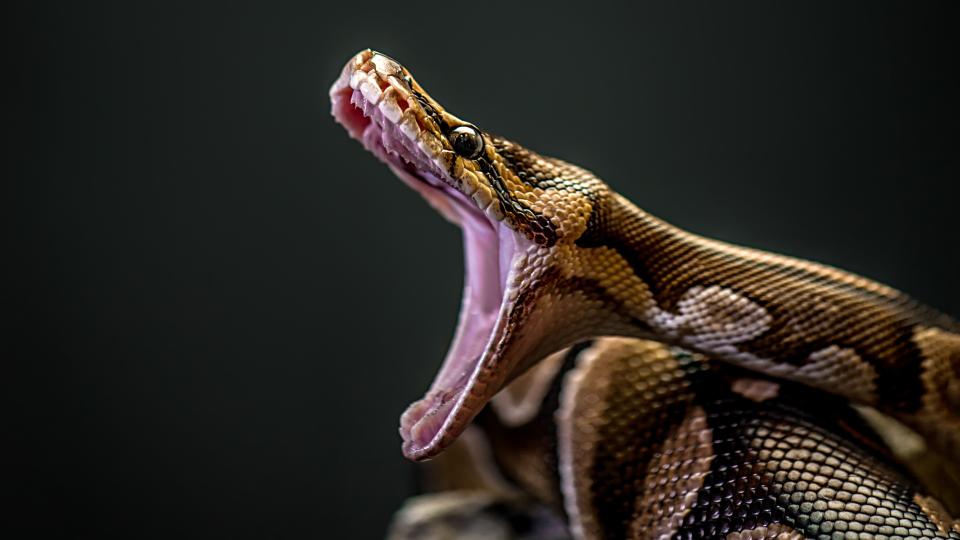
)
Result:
{"points": [[490, 248]]}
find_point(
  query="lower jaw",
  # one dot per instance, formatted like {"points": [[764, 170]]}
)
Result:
{"points": [[424, 419], [460, 386]]}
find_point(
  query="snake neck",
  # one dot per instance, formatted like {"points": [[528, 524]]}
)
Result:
{"points": [[779, 315]]}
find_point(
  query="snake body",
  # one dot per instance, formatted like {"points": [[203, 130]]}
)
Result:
{"points": [[555, 257]]}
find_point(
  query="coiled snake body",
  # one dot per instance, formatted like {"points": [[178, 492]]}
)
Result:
{"points": [[693, 423]]}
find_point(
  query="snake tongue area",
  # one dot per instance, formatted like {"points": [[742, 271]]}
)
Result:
{"points": [[376, 107]]}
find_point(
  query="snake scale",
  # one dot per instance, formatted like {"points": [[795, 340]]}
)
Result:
{"points": [[719, 407]]}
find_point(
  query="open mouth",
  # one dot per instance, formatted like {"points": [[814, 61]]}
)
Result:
{"points": [[378, 109]]}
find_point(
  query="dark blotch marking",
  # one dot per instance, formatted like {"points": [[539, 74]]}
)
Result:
{"points": [[432, 113], [537, 226], [879, 329], [741, 491]]}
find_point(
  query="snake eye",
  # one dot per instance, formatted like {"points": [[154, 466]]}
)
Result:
{"points": [[467, 142]]}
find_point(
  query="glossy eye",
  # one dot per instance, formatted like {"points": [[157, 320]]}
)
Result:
{"points": [[467, 142]]}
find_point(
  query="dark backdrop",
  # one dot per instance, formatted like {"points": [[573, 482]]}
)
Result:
{"points": [[221, 304]]}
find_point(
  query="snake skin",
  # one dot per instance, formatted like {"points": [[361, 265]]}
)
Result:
{"points": [[641, 441], [554, 256], [635, 440]]}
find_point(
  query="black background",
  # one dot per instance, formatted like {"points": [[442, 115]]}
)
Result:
{"points": [[221, 304]]}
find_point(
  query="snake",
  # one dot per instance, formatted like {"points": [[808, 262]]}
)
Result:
{"points": [[675, 386]]}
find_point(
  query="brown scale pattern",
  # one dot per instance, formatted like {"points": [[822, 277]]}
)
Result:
{"points": [[811, 307], [559, 190], [832, 328], [664, 448], [645, 402], [774, 464]]}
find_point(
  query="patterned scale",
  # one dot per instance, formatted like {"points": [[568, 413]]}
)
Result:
{"points": [[641, 441]]}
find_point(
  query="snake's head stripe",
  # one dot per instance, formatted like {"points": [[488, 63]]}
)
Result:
{"points": [[517, 211], [381, 105]]}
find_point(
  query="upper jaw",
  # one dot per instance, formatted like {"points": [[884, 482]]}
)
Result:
{"points": [[373, 98], [394, 125], [415, 126]]}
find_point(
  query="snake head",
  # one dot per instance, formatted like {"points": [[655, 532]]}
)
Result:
{"points": [[520, 213]]}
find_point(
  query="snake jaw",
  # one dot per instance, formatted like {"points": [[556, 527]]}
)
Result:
{"points": [[384, 108], [373, 99], [508, 314], [511, 316]]}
